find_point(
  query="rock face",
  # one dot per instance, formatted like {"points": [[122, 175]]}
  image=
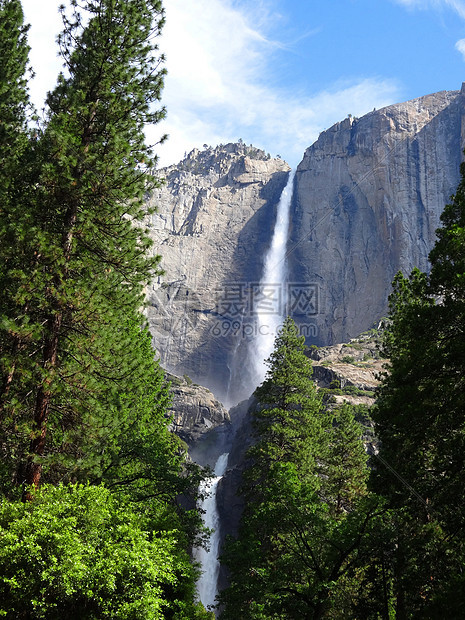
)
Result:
{"points": [[349, 372], [368, 196], [215, 218], [195, 410], [367, 200]]}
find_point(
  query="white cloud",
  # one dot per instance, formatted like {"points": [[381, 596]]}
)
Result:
{"points": [[221, 83], [220, 71], [460, 46], [456, 5]]}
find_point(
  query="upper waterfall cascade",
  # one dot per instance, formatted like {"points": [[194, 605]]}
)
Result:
{"points": [[272, 302]]}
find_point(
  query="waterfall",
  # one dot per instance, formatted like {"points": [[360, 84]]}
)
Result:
{"points": [[207, 584], [271, 298], [269, 310]]}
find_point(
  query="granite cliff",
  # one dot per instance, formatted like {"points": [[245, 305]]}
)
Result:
{"points": [[367, 199], [368, 196], [366, 203], [194, 410], [215, 216]]}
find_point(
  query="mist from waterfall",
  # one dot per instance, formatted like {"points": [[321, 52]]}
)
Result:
{"points": [[207, 585], [272, 300]]}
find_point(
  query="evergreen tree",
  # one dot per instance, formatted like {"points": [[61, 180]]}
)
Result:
{"points": [[420, 419], [14, 101], [14, 142], [286, 423], [345, 470], [88, 262], [300, 535], [82, 398]]}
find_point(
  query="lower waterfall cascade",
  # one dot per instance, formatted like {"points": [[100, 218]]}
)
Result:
{"points": [[207, 585]]}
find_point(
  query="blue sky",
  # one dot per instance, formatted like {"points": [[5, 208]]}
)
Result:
{"points": [[277, 72]]}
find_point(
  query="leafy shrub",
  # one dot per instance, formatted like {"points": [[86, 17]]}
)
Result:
{"points": [[81, 552], [348, 359]]}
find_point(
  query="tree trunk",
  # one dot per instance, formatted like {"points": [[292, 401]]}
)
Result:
{"points": [[33, 470], [6, 387], [400, 591]]}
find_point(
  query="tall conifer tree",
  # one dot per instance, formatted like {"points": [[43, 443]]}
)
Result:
{"points": [[305, 521], [14, 141], [420, 419], [82, 399], [74, 299]]}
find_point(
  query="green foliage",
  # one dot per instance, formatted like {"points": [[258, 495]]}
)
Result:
{"points": [[82, 400], [69, 355], [14, 102], [348, 359], [344, 468], [355, 391], [285, 423], [14, 176], [77, 551]]}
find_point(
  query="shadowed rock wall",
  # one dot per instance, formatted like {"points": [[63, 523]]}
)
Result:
{"points": [[214, 223]]}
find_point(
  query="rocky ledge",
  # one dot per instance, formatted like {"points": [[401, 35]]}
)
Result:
{"points": [[195, 409], [349, 372]]}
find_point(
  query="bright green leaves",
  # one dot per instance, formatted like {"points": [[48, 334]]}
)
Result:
{"points": [[77, 552]]}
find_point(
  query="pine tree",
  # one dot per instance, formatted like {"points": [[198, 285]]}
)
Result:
{"points": [[14, 101], [17, 180], [285, 423], [305, 521], [420, 420], [345, 469], [88, 262], [14, 105], [82, 398]]}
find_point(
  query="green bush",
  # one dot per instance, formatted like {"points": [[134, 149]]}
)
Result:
{"points": [[81, 552], [348, 359], [355, 391]]}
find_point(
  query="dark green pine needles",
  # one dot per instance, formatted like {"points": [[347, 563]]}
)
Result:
{"points": [[74, 265], [84, 435], [306, 517]]}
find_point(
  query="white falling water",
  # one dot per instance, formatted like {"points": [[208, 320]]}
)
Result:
{"points": [[208, 581], [271, 304]]}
